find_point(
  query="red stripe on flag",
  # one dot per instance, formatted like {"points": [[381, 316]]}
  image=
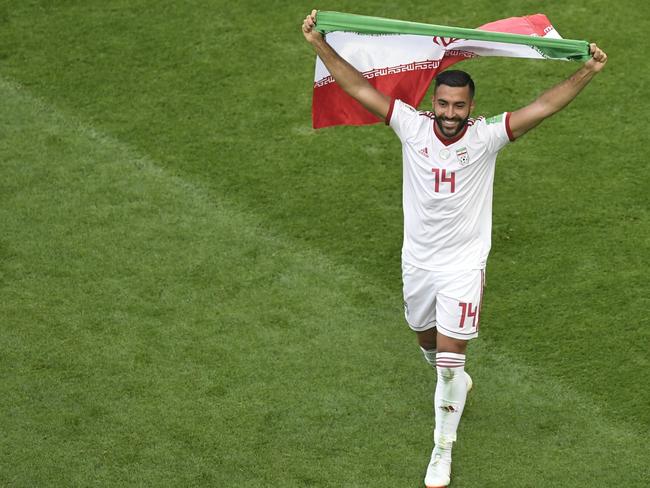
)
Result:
{"points": [[537, 24], [332, 106]]}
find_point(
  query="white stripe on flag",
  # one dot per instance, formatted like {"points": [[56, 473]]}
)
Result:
{"points": [[402, 66]]}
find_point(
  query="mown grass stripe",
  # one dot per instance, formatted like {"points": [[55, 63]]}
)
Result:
{"points": [[153, 334]]}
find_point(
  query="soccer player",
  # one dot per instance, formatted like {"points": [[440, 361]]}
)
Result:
{"points": [[448, 174]]}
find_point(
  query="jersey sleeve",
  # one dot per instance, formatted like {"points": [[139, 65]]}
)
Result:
{"points": [[496, 131], [403, 119]]}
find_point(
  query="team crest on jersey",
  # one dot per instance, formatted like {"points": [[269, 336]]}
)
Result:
{"points": [[463, 157]]}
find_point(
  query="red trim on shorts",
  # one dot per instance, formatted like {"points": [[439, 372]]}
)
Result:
{"points": [[390, 111], [453, 332], [480, 301]]}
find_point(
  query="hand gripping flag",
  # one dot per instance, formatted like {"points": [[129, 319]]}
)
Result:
{"points": [[401, 58]]}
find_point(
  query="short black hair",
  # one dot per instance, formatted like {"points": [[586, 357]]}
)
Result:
{"points": [[455, 78]]}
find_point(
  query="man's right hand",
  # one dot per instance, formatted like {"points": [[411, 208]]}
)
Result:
{"points": [[347, 77], [311, 34]]}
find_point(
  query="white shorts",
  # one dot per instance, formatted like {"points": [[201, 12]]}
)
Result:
{"points": [[447, 300]]}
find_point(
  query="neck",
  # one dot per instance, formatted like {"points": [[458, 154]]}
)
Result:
{"points": [[445, 139]]}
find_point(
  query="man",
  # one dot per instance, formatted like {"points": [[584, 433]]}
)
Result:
{"points": [[448, 161]]}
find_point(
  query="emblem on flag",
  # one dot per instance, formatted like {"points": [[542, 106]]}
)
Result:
{"points": [[463, 157]]}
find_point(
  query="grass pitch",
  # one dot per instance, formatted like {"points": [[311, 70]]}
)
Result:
{"points": [[199, 290]]}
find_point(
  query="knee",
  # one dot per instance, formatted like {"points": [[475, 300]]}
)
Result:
{"points": [[427, 340]]}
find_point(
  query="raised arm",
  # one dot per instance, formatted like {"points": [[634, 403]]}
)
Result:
{"points": [[348, 78], [558, 97]]}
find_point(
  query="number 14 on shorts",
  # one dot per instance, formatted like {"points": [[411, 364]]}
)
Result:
{"points": [[468, 311]]}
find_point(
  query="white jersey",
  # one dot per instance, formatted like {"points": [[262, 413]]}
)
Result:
{"points": [[447, 188]]}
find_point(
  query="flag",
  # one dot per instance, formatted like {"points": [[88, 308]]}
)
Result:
{"points": [[401, 58]]}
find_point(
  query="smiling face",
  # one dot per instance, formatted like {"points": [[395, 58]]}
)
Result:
{"points": [[452, 106]]}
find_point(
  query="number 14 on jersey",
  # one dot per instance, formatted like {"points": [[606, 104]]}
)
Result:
{"points": [[441, 176]]}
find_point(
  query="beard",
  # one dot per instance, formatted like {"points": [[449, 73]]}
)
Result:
{"points": [[453, 132]]}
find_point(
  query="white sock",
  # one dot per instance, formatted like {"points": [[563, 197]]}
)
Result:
{"points": [[449, 399]]}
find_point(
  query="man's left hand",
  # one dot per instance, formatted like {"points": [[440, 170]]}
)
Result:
{"points": [[598, 58]]}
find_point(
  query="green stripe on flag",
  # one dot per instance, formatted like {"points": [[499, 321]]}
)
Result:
{"points": [[550, 48]]}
